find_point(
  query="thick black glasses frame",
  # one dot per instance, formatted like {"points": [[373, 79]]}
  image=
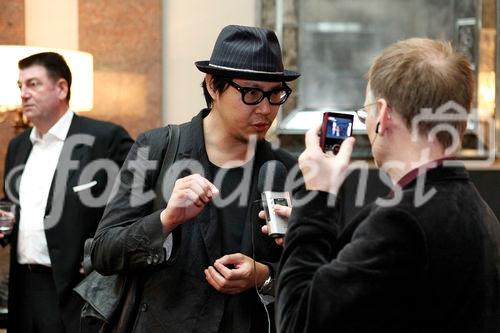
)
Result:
{"points": [[245, 90]]}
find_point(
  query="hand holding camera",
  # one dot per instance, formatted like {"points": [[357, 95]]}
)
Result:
{"points": [[324, 171]]}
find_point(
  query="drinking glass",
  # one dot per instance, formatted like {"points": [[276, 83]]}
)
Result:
{"points": [[7, 217]]}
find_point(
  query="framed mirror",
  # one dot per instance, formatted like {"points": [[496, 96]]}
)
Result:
{"points": [[338, 39]]}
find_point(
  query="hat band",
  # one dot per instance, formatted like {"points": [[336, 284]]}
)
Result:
{"points": [[243, 70]]}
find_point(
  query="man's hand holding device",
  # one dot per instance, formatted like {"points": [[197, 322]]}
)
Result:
{"points": [[283, 212], [317, 163], [322, 170]]}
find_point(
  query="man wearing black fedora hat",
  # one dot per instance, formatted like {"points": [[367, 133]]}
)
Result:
{"points": [[197, 262]]}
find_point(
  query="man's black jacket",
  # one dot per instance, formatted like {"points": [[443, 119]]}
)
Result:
{"points": [[433, 267]]}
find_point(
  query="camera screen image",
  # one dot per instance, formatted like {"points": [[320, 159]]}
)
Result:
{"points": [[338, 128], [280, 201]]}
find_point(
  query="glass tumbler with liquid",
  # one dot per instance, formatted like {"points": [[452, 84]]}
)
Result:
{"points": [[7, 217]]}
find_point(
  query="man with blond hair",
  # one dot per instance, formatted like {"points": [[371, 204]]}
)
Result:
{"points": [[427, 257]]}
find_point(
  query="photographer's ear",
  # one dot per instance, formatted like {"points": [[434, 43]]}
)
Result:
{"points": [[383, 116]]}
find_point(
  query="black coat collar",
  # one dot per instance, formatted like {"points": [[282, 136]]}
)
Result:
{"points": [[449, 170]]}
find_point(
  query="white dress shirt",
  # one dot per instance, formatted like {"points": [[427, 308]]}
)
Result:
{"points": [[34, 191]]}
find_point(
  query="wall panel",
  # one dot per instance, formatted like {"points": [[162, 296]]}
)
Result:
{"points": [[11, 32], [125, 38]]}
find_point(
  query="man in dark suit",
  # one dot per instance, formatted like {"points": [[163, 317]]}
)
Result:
{"points": [[60, 172], [427, 257], [199, 261]]}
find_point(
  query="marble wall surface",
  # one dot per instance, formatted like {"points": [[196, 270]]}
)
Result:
{"points": [[12, 22], [11, 33], [125, 38]]}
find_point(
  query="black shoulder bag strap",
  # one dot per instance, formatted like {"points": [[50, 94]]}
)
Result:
{"points": [[174, 134]]}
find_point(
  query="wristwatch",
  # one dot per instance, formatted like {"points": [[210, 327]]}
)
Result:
{"points": [[267, 286]]}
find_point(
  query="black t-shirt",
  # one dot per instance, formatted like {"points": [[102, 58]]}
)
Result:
{"points": [[231, 219]]}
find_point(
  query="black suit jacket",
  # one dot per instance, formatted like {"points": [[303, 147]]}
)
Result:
{"points": [[402, 268], [68, 221], [174, 295]]}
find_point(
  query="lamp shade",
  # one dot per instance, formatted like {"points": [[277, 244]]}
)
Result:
{"points": [[80, 63]]}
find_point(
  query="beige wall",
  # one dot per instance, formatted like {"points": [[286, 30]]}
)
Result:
{"points": [[190, 28], [54, 25]]}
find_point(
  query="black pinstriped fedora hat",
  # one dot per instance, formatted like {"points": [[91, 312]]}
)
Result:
{"points": [[247, 53]]}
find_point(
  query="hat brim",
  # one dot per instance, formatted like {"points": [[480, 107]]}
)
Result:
{"points": [[271, 77]]}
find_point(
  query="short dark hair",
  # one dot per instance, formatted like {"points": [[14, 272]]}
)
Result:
{"points": [[54, 63], [220, 83]]}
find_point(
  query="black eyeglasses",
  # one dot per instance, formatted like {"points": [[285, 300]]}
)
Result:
{"points": [[361, 112], [253, 96]]}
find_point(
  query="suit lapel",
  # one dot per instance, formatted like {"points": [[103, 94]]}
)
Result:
{"points": [[78, 150], [76, 155], [24, 150]]}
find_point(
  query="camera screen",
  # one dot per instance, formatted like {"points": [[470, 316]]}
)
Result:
{"points": [[280, 201], [339, 127]]}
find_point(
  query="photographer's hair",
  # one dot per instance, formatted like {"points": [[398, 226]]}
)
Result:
{"points": [[54, 63], [420, 73], [220, 84]]}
